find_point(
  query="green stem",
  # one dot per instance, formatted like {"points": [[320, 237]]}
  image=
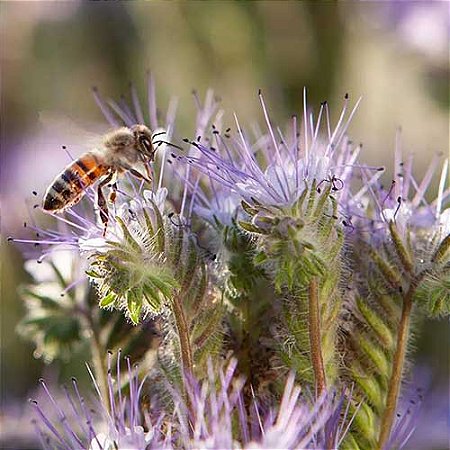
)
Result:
{"points": [[397, 370], [183, 335], [315, 337]]}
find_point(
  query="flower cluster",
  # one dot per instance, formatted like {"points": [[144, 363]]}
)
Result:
{"points": [[278, 247], [211, 415]]}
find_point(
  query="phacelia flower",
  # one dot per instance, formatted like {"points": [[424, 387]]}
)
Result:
{"points": [[213, 415], [274, 168]]}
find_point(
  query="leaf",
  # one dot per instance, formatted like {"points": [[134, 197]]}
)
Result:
{"points": [[260, 258], [127, 235], [134, 305], [108, 300], [249, 227]]}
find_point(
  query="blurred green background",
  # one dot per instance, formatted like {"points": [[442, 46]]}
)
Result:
{"points": [[393, 54]]}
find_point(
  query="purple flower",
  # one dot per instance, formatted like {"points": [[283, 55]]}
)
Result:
{"points": [[213, 415], [116, 422], [274, 168], [404, 202]]}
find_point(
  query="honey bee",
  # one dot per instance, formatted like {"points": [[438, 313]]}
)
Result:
{"points": [[121, 151]]}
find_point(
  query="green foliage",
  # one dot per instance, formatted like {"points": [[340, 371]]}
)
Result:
{"points": [[248, 295], [62, 323], [131, 274], [293, 245], [156, 269], [51, 322], [393, 275], [433, 292]]}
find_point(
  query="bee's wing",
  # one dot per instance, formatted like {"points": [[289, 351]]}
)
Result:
{"points": [[76, 137]]}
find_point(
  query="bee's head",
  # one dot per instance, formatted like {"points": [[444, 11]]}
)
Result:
{"points": [[143, 141]]}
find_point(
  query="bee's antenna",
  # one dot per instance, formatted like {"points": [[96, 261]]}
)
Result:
{"points": [[158, 134], [158, 143]]}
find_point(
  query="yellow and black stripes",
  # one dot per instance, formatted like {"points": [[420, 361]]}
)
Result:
{"points": [[69, 186]]}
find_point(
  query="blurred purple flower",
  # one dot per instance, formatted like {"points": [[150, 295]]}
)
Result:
{"points": [[405, 202], [212, 416]]}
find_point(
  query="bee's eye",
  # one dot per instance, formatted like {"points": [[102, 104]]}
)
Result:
{"points": [[146, 144]]}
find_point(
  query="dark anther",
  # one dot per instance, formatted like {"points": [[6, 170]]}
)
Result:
{"points": [[63, 147], [185, 140], [346, 96], [215, 132], [41, 380], [227, 130], [199, 138], [169, 161], [62, 294], [259, 92], [36, 244], [337, 183], [173, 155], [212, 149], [35, 206], [399, 415], [34, 193], [213, 126], [380, 169], [24, 224], [348, 224], [38, 261], [399, 201], [9, 238], [110, 352], [170, 215]]}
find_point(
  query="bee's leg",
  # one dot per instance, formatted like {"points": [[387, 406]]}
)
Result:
{"points": [[113, 193], [148, 172], [139, 176], [101, 202], [113, 185]]}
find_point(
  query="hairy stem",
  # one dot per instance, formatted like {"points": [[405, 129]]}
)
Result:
{"points": [[183, 334], [315, 337], [397, 370]]}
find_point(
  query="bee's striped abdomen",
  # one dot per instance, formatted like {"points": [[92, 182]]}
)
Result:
{"points": [[69, 186]]}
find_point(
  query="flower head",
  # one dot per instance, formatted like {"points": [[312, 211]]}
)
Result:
{"points": [[275, 169], [214, 415]]}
